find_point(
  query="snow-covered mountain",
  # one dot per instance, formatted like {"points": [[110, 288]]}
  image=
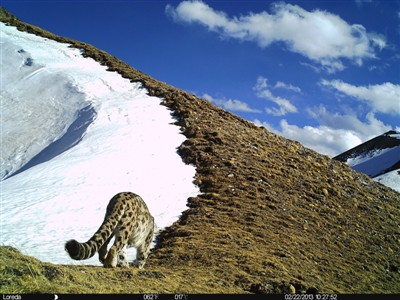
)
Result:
{"points": [[379, 158], [72, 136]]}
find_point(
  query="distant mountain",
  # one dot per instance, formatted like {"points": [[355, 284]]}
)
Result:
{"points": [[379, 158]]}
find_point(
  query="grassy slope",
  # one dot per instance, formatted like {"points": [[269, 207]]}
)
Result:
{"points": [[274, 217]]}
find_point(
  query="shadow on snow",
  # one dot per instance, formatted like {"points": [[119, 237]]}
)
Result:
{"points": [[71, 138]]}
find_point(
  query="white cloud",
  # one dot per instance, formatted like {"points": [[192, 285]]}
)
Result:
{"points": [[318, 35], [315, 68], [322, 139], [233, 105], [349, 122], [284, 107], [282, 85], [383, 98], [326, 65], [335, 133], [261, 83], [377, 39], [262, 91]]}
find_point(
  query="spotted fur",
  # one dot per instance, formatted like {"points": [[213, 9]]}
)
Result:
{"points": [[128, 218]]}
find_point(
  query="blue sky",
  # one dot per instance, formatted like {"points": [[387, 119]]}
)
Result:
{"points": [[325, 73]]}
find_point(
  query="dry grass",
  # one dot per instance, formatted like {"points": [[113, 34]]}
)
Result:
{"points": [[22, 274], [274, 217]]}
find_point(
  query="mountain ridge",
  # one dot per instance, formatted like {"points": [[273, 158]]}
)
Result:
{"points": [[377, 157], [274, 216], [379, 142]]}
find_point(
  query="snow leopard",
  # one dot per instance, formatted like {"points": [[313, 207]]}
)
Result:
{"points": [[128, 218]]}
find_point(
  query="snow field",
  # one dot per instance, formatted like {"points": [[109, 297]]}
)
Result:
{"points": [[86, 134]]}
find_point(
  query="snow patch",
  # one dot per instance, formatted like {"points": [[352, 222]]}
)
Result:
{"points": [[374, 162], [390, 179], [395, 135]]}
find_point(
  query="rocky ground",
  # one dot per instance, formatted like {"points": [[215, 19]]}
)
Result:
{"points": [[274, 216]]}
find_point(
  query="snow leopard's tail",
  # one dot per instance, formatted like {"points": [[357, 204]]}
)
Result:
{"points": [[115, 210], [79, 251]]}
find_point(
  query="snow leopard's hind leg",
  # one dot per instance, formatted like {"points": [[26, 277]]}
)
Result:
{"points": [[143, 250], [103, 249]]}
